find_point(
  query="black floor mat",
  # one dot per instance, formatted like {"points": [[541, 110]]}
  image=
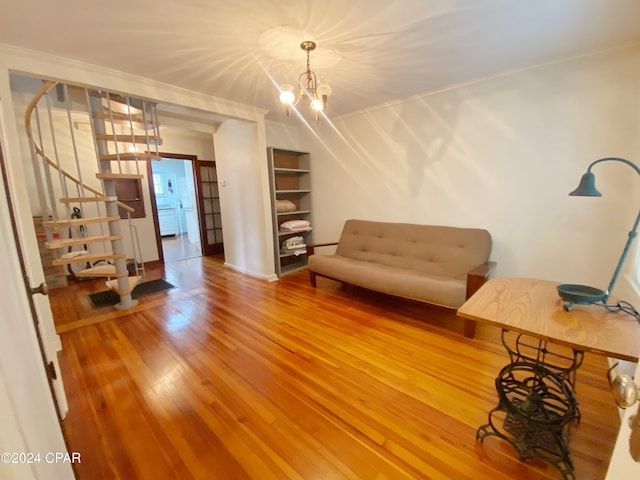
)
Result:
{"points": [[109, 298]]}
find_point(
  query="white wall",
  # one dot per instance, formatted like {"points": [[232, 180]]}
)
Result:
{"points": [[186, 143], [244, 192], [283, 136], [500, 154]]}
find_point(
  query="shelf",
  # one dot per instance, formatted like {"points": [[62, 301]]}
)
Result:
{"points": [[291, 192], [291, 254], [290, 179], [292, 232], [297, 212], [289, 171]]}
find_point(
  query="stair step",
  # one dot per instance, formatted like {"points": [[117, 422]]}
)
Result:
{"points": [[123, 118], [88, 199], [118, 176], [75, 222], [69, 242], [87, 257], [143, 139], [113, 285], [131, 156], [102, 271]]}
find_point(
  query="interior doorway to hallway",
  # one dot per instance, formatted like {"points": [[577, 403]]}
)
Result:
{"points": [[176, 203]]}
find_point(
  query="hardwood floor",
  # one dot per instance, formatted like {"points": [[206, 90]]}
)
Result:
{"points": [[231, 377], [179, 247]]}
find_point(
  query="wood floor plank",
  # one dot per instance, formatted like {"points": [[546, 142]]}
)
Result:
{"points": [[228, 376]]}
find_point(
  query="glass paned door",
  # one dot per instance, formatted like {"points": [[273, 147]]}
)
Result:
{"points": [[209, 198]]}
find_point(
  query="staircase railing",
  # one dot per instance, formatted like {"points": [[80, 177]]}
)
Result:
{"points": [[137, 249], [37, 150], [100, 116]]}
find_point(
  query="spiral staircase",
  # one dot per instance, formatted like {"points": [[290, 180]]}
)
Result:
{"points": [[76, 133]]}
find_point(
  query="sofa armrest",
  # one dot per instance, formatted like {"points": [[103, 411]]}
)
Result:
{"points": [[311, 251], [311, 248], [476, 277]]}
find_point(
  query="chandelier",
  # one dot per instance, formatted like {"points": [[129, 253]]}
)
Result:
{"points": [[308, 88]]}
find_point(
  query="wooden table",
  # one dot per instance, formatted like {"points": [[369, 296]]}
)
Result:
{"points": [[533, 307], [537, 402]]}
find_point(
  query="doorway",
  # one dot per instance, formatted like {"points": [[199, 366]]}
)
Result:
{"points": [[174, 194]]}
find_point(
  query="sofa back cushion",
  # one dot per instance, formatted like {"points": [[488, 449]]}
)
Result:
{"points": [[435, 250]]}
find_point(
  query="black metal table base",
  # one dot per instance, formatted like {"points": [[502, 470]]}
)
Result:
{"points": [[537, 403]]}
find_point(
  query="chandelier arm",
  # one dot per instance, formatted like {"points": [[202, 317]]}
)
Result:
{"points": [[312, 83]]}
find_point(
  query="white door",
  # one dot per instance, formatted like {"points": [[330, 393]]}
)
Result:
{"points": [[30, 437]]}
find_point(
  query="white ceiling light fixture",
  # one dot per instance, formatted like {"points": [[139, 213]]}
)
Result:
{"points": [[308, 88]]}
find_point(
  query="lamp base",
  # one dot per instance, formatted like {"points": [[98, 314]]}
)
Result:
{"points": [[579, 295]]}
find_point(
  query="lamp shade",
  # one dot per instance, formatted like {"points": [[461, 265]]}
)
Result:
{"points": [[587, 187]]}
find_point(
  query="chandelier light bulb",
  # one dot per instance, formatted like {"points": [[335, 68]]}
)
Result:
{"points": [[317, 105], [286, 94]]}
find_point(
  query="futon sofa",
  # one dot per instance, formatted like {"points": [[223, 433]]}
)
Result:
{"points": [[438, 265]]}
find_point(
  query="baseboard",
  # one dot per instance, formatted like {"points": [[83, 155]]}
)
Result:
{"points": [[153, 263], [261, 276]]}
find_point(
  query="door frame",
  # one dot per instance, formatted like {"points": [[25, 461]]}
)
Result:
{"points": [[152, 197]]}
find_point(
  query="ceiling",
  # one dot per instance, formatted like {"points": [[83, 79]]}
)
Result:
{"points": [[369, 51]]}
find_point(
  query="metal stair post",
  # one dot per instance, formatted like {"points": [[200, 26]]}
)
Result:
{"points": [[117, 246]]}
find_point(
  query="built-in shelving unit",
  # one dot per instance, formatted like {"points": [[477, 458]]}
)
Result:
{"points": [[290, 179]]}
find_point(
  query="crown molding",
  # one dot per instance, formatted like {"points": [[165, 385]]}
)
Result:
{"points": [[33, 63]]}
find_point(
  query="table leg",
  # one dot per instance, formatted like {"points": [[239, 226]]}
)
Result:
{"points": [[537, 403]]}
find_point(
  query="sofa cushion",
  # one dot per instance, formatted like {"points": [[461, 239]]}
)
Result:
{"points": [[448, 252], [402, 282]]}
